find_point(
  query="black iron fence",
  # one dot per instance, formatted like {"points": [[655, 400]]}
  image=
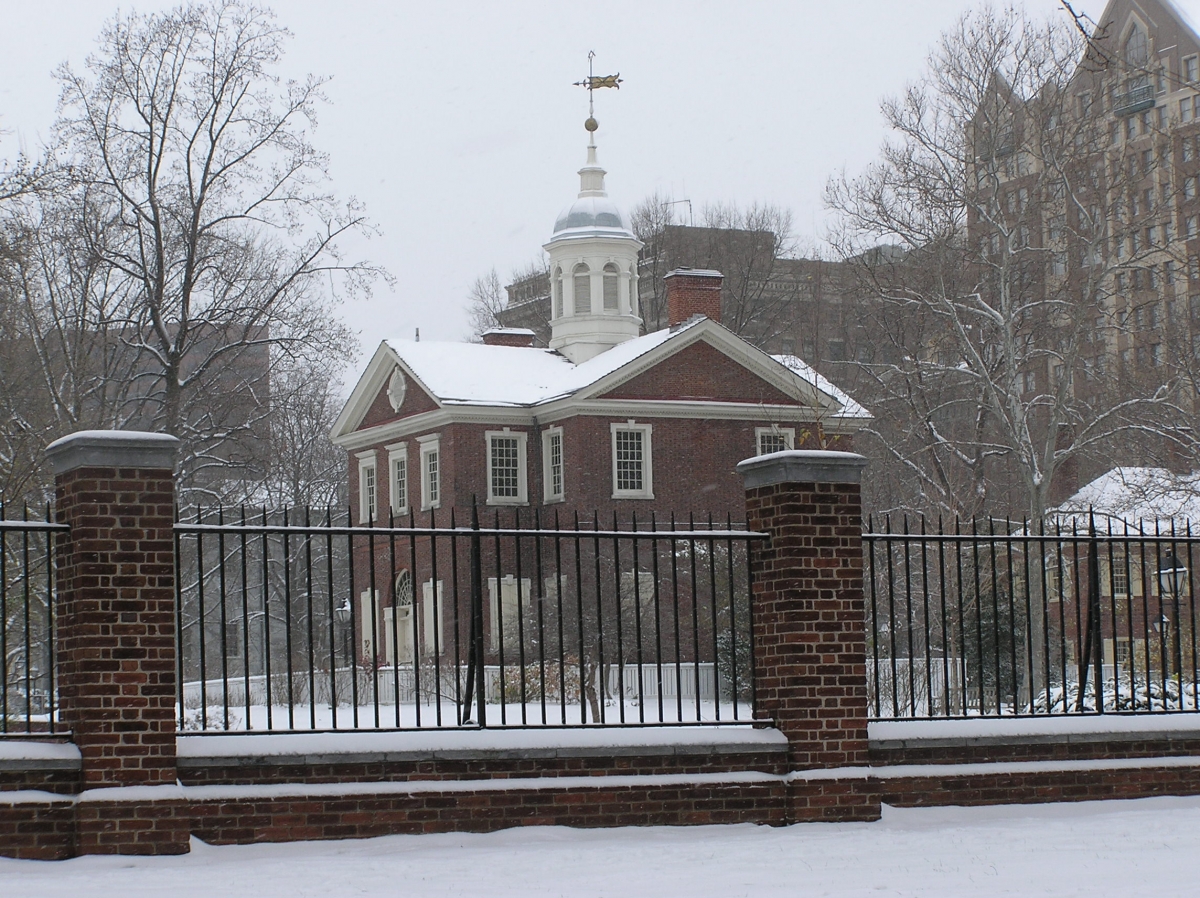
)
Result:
{"points": [[27, 687], [1088, 615], [303, 621]]}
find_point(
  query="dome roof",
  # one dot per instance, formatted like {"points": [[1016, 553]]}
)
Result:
{"points": [[592, 215]]}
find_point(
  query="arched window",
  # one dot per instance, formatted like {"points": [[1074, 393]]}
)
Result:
{"points": [[583, 290], [556, 289], [611, 274], [1136, 49]]}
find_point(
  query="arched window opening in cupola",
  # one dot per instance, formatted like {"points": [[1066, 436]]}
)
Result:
{"points": [[583, 290], [556, 289], [611, 274]]}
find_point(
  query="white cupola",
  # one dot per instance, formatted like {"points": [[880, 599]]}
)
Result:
{"points": [[593, 270]]}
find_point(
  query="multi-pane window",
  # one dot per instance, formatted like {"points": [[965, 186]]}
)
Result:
{"points": [[630, 459], [632, 471], [367, 508], [398, 474], [506, 468], [1120, 574], [1191, 68], [552, 455], [774, 439], [431, 473]]}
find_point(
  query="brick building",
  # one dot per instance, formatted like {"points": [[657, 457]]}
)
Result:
{"points": [[604, 421]]}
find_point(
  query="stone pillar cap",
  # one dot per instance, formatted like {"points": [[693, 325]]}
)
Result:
{"points": [[802, 466], [112, 449]]}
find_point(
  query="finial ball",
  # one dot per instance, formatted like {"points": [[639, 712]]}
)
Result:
{"points": [[591, 124]]}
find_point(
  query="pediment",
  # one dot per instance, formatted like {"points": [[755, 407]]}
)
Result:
{"points": [[702, 372]]}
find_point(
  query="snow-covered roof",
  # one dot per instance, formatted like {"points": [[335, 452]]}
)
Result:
{"points": [[850, 408], [475, 374], [513, 331], [1138, 496], [478, 374]]}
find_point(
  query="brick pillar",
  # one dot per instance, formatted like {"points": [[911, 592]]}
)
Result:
{"points": [[809, 621], [116, 631]]}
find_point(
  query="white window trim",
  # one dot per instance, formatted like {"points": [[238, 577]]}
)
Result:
{"points": [[548, 493], [788, 434], [647, 490], [366, 462], [398, 452], [520, 593], [430, 444], [522, 497], [432, 618]]}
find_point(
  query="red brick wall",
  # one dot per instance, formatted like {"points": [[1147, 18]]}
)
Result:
{"points": [[38, 830], [693, 467], [808, 618], [1036, 787], [1077, 748], [116, 623], [701, 371], [415, 402], [365, 815], [689, 295], [442, 769]]}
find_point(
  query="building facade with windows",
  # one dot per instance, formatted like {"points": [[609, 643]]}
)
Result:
{"points": [[604, 422]]}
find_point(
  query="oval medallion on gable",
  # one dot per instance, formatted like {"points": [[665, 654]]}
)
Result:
{"points": [[397, 387]]}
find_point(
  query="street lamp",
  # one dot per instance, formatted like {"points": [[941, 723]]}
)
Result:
{"points": [[1172, 574], [342, 613]]}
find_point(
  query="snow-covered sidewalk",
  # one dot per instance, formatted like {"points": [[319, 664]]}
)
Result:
{"points": [[1144, 847]]}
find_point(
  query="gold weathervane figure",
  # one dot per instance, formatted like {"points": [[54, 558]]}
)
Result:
{"points": [[592, 82]]}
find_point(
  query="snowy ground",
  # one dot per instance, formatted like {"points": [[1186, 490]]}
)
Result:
{"points": [[1144, 847]]}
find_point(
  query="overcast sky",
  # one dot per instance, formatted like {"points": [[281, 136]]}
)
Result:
{"points": [[458, 126]]}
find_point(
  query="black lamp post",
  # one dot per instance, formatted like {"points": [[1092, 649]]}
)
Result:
{"points": [[1172, 574], [342, 613]]}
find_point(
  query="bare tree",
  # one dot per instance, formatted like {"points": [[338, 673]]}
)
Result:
{"points": [[485, 302], [1029, 241], [210, 236], [748, 245]]}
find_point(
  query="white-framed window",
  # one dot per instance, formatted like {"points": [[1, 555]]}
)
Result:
{"points": [[506, 463], [1191, 68], [398, 623], [632, 461], [774, 439], [368, 499], [432, 606], [368, 625], [553, 470], [398, 477], [506, 599], [431, 471]]}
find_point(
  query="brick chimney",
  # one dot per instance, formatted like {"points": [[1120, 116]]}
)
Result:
{"points": [[508, 336], [693, 291]]}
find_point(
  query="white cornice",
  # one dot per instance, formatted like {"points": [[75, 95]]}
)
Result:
{"points": [[372, 381], [623, 409]]}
